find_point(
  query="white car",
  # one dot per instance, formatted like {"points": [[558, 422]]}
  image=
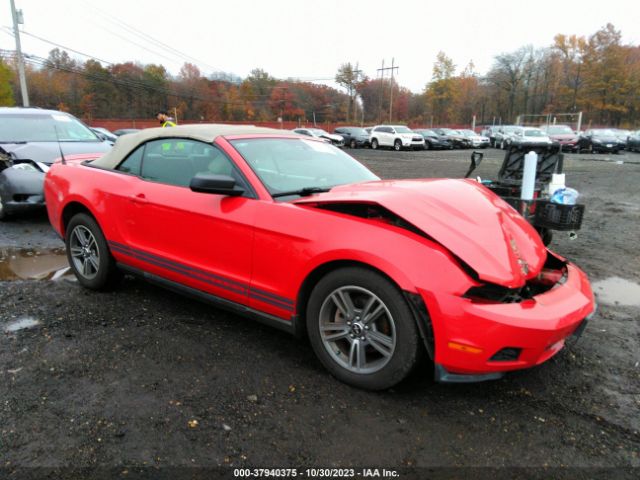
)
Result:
{"points": [[528, 136], [337, 140], [396, 137], [477, 141]]}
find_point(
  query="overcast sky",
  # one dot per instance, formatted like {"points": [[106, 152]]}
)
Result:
{"points": [[310, 39]]}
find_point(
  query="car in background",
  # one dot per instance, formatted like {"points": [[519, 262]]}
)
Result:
{"points": [[433, 141], [477, 141], [295, 233], [398, 137], [633, 142], [599, 140], [528, 136], [336, 140], [354, 137], [104, 134], [457, 139], [490, 132], [502, 135], [30, 140], [622, 135], [564, 135], [125, 131]]}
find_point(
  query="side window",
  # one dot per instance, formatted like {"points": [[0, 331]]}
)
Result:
{"points": [[132, 163], [175, 161]]}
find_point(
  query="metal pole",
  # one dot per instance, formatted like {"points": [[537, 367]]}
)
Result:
{"points": [[391, 92], [21, 74], [579, 120]]}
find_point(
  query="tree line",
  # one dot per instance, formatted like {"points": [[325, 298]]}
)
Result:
{"points": [[598, 75]]}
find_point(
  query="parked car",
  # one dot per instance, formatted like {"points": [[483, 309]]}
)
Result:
{"points": [[125, 131], [354, 137], [527, 136], [397, 137], [298, 234], [599, 140], [491, 132], [502, 135], [564, 135], [457, 139], [336, 140], [622, 136], [104, 134], [30, 140], [633, 143], [434, 141], [477, 141]]}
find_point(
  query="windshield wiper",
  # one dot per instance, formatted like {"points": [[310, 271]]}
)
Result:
{"points": [[303, 192]]}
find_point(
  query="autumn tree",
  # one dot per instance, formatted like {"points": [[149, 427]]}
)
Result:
{"points": [[349, 78], [440, 92], [6, 92]]}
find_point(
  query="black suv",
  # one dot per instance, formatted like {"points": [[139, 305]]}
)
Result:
{"points": [[354, 137]]}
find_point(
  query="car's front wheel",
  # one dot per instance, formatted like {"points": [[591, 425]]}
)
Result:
{"points": [[89, 255], [361, 328], [397, 145], [374, 144], [353, 144]]}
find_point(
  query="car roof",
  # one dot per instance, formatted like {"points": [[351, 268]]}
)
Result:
{"points": [[201, 132], [31, 111]]}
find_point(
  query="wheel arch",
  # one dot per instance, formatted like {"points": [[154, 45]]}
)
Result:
{"points": [[71, 209], [415, 303]]}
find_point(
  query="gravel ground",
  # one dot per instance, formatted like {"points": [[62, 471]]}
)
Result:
{"points": [[141, 377]]}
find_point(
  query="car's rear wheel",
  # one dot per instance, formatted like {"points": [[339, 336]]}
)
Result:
{"points": [[361, 328], [353, 144], [397, 145], [89, 255]]}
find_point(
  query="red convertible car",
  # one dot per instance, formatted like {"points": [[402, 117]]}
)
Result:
{"points": [[296, 233]]}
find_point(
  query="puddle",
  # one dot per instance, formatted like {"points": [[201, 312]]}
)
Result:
{"points": [[22, 324], [33, 264], [617, 291]]}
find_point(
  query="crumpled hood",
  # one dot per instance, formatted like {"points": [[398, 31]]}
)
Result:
{"points": [[47, 152], [466, 218]]}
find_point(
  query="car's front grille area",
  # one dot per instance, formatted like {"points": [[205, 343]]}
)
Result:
{"points": [[553, 273], [416, 139], [508, 354]]}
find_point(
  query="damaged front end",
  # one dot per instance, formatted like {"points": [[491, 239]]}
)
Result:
{"points": [[21, 184]]}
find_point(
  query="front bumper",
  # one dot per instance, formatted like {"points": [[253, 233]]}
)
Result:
{"points": [[537, 328], [21, 190]]}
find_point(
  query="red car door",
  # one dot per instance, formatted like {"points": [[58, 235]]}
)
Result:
{"points": [[201, 240]]}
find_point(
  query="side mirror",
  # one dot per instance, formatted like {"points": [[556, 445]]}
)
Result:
{"points": [[220, 184], [476, 159]]}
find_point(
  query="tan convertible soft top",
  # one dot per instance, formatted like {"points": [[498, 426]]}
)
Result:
{"points": [[202, 132]]}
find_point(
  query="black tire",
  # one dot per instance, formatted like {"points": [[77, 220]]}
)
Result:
{"points": [[374, 143], [102, 272], [400, 326], [546, 235], [353, 144], [427, 146], [397, 145]]}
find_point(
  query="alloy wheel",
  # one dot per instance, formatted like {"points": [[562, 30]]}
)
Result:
{"points": [[84, 252], [357, 329]]}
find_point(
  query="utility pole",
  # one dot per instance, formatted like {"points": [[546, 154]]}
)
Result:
{"points": [[18, 19], [382, 70]]}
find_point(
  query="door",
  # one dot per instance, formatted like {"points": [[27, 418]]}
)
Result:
{"points": [[198, 239]]}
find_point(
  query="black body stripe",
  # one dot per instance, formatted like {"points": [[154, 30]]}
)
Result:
{"points": [[207, 277]]}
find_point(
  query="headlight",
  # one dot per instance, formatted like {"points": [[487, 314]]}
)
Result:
{"points": [[25, 166]]}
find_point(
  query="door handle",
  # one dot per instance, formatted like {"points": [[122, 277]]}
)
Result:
{"points": [[140, 198]]}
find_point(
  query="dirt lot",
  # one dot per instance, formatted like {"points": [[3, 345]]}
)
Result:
{"points": [[144, 378]]}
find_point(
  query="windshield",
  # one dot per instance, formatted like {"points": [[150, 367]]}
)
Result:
{"points": [[560, 130], [287, 164], [403, 130], [427, 133], [468, 133], [318, 131], [358, 131], [45, 127], [604, 133], [509, 129], [533, 133]]}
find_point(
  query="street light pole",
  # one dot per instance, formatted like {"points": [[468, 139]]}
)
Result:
{"points": [[17, 19]]}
